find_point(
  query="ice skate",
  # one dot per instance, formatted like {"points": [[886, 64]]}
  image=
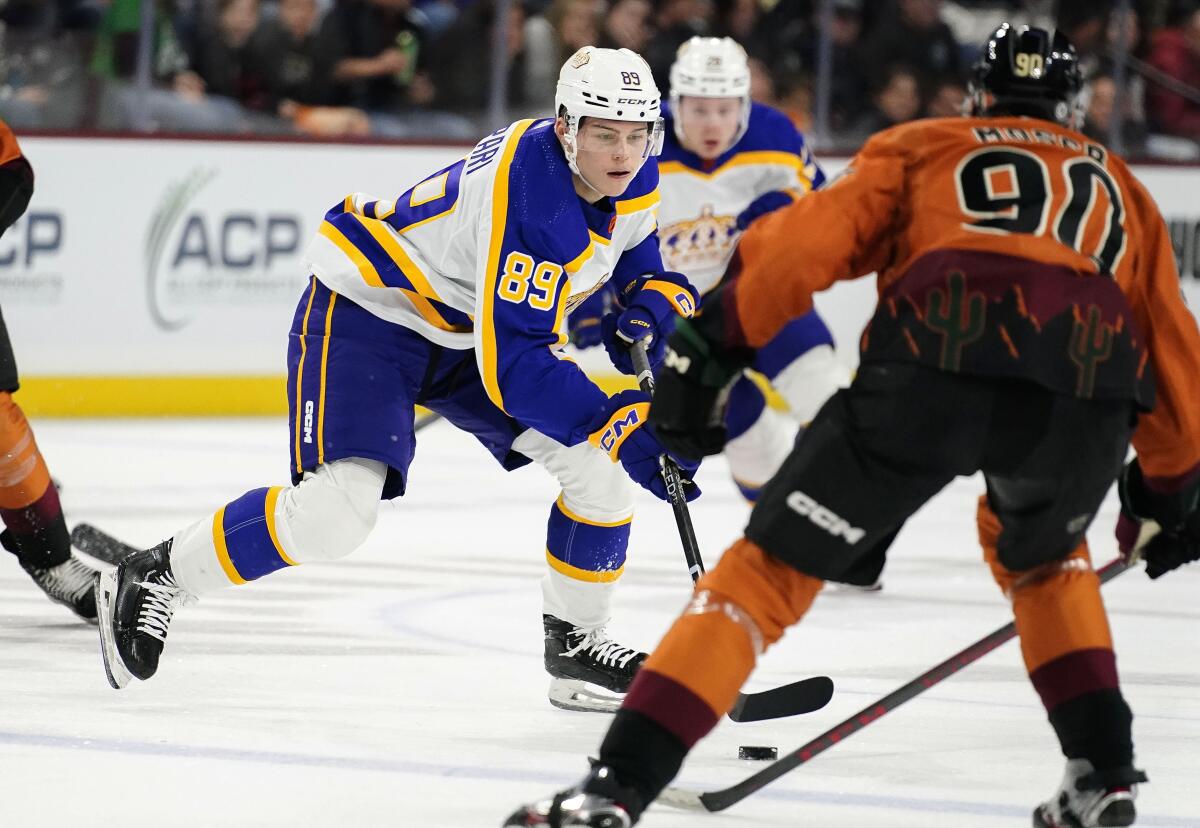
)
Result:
{"points": [[579, 660], [70, 583], [1091, 799], [599, 801], [136, 603]]}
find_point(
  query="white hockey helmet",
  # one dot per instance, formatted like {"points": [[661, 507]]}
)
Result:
{"points": [[711, 67], [615, 84]]}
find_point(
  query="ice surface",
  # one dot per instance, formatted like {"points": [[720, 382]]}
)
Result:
{"points": [[403, 686]]}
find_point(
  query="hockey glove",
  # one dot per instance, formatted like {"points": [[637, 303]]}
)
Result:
{"points": [[702, 363], [765, 203], [583, 325], [659, 301], [621, 430], [1177, 513]]}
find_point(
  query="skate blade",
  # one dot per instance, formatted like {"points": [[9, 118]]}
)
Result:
{"points": [[573, 694], [106, 597]]}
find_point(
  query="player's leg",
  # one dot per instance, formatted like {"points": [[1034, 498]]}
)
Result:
{"points": [[1041, 498], [352, 380], [794, 374], [35, 529], [586, 538], [853, 478]]}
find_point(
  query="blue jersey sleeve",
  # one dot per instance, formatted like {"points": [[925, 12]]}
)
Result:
{"points": [[518, 318], [639, 260], [771, 127]]}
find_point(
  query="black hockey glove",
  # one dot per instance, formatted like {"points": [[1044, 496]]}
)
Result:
{"points": [[1177, 513], [692, 386]]}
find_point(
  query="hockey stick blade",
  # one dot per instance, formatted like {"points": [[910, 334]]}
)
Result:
{"points": [[793, 699], [98, 544], [724, 798]]}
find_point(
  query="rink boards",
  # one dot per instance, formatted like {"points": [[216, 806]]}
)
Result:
{"points": [[160, 276]]}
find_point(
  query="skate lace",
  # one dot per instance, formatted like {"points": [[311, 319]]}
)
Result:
{"points": [[598, 645], [68, 581], [162, 597]]}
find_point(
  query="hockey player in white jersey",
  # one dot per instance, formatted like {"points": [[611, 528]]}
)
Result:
{"points": [[453, 295], [725, 162]]}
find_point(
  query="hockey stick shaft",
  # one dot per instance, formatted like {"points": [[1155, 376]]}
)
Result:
{"points": [[722, 799], [793, 699], [672, 479]]}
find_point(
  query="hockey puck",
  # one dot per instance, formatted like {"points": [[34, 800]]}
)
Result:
{"points": [[758, 752]]}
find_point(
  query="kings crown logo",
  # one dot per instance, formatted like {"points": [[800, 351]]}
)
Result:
{"points": [[705, 241]]}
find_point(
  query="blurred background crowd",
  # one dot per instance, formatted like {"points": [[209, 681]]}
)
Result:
{"points": [[453, 69]]}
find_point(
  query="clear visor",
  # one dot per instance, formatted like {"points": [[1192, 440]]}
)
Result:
{"points": [[640, 142]]}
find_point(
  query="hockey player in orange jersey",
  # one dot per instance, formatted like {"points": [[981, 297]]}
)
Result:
{"points": [[35, 530], [1029, 325]]}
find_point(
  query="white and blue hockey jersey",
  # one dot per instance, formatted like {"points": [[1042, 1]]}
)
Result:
{"points": [[491, 253], [702, 199]]}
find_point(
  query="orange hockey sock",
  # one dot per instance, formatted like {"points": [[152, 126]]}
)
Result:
{"points": [[29, 504]]}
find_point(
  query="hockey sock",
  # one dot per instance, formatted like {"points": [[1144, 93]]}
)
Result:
{"points": [[1067, 647], [586, 556], [29, 504], [694, 675]]}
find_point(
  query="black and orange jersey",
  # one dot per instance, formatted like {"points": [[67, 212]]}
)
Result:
{"points": [[16, 179], [10, 150], [1008, 247]]}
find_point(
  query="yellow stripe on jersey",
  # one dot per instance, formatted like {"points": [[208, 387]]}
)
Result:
{"points": [[580, 260], [269, 510], [383, 236], [605, 576], [598, 239], [491, 381], [367, 270], [633, 205], [218, 534], [742, 159], [430, 314]]}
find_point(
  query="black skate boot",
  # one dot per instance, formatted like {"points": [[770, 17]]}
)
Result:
{"points": [[1091, 799], [70, 583], [135, 604], [599, 801], [577, 657]]}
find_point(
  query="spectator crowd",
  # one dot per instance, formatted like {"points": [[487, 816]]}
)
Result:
{"points": [[421, 68]]}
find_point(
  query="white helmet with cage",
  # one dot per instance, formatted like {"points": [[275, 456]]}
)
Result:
{"points": [[711, 67], [615, 84]]}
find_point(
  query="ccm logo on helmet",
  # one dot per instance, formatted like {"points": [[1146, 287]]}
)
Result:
{"points": [[825, 519], [634, 101]]}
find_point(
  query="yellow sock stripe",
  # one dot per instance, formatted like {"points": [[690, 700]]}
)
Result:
{"points": [[269, 509], [223, 558], [324, 366], [680, 298], [606, 576], [365, 269], [312, 292], [562, 507], [618, 428]]}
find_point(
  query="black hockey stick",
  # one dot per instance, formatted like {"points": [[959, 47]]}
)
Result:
{"points": [[670, 472], [99, 545], [793, 699], [722, 799]]}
